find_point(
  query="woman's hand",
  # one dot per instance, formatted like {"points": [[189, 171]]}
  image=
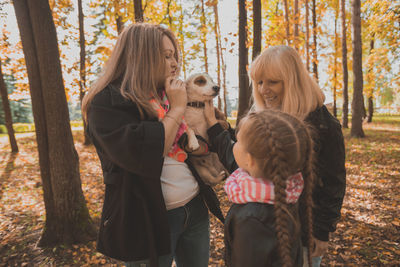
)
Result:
{"points": [[209, 113], [176, 93]]}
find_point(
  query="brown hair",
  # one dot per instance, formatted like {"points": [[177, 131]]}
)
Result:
{"points": [[282, 146], [301, 94], [138, 61]]}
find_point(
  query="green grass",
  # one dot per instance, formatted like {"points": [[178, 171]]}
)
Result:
{"points": [[390, 119]]}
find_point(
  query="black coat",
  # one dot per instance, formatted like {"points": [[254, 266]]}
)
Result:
{"points": [[330, 186], [134, 224], [250, 236]]}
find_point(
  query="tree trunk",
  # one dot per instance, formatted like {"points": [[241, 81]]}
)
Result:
{"points": [[82, 72], [244, 92], [314, 48], [169, 14], [223, 70], [345, 111], [137, 6], [307, 39], [118, 17], [120, 24], [370, 109], [181, 37], [7, 113], [296, 24], [203, 33], [357, 104], [371, 93], [335, 64], [67, 217], [257, 28], [217, 36], [287, 24]]}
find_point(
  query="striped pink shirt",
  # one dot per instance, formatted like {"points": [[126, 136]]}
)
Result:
{"points": [[242, 188]]}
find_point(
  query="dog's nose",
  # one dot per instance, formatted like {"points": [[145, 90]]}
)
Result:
{"points": [[216, 89]]}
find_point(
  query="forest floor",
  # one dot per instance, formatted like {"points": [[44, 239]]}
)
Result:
{"points": [[367, 235]]}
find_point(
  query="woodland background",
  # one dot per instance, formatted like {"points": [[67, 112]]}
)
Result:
{"points": [[51, 51]]}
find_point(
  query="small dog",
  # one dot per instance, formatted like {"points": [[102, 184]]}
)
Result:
{"points": [[200, 88]]}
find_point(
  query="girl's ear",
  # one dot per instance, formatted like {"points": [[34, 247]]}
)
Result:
{"points": [[251, 165]]}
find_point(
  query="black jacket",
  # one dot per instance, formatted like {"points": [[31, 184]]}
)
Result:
{"points": [[330, 168], [250, 236], [134, 223], [330, 185]]}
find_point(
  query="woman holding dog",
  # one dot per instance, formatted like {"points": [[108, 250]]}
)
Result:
{"points": [[281, 82], [154, 210]]}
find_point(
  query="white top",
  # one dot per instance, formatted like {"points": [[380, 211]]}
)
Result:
{"points": [[177, 183]]}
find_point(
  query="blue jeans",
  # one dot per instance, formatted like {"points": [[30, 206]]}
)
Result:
{"points": [[190, 237], [316, 261]]}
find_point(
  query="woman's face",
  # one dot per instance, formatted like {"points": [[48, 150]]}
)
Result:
{"points": [[171, 65], [271, 91]]}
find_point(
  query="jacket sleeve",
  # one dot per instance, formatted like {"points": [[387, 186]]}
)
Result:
{"points": [[252, 243], [331, 182], [134, 145], [222, 144]]}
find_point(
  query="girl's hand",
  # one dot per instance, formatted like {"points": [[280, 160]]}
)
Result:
{"points": [[176, 93], [209, 113]]}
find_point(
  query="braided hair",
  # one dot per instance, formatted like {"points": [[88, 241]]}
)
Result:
{"points": [[281, 146]]}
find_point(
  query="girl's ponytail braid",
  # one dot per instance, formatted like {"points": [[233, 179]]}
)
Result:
{"points": [[279, 175], [309, 177]]}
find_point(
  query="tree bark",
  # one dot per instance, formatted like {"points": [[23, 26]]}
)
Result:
{"points": [[345, 111], [67, 217], [204, 35], [314, 48], [287, 24], [217, 36], [118, 17], [137, 6], [244, 92], [371, 93], [335, 63], [370, 109], [181, 37], [257, 28], [357, 103], [223, 69], [82, 69], [296, 25], [169, 14], [307, 38], [7, 113]]}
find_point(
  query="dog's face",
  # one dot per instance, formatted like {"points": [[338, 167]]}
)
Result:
{"points": [[200, 87]]}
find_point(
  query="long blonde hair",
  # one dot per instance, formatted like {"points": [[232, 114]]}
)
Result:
{"points": [[301, 94], [137, 59]]}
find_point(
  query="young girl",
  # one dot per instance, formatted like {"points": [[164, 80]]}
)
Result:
{"points": [[281, 82], [273, 150]]}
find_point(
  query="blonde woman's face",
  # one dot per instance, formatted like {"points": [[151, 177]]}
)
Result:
{"points": [[171, 65], [271, 91]]}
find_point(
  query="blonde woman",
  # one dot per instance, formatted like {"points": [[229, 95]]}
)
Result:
{"points": [[154, 210], [281, 81]]}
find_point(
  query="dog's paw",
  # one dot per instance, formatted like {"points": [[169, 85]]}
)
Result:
{"points": [[193, 144]]}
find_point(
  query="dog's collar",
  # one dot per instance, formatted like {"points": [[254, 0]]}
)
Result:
{"points": [[196, 104]]}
